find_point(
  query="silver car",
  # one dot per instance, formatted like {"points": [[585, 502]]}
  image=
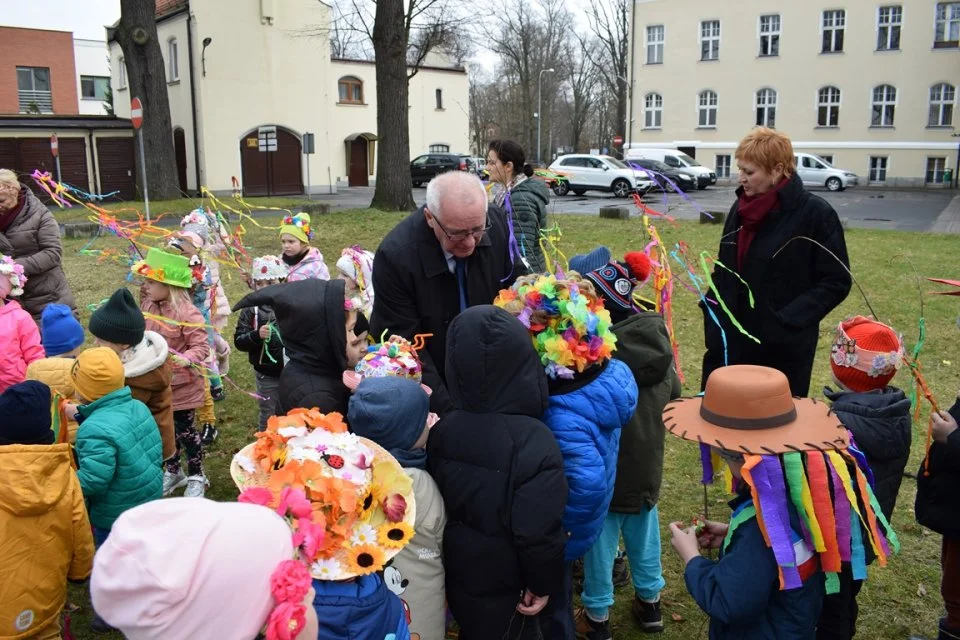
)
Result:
{"points": [[817, 172], [586, 172]]}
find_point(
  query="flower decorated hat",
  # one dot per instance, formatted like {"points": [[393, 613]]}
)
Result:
{"points": [[567, 320], [349, 503], [796, 458], [13, 277], [297, 226], [396, 357], [165, 267], [195, 226], [865, 354], [268, 268]]}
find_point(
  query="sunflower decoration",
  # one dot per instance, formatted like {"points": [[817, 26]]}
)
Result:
{"points": [[349, 504]]}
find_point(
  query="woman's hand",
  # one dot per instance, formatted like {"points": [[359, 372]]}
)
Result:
{"points": [[530, 604], [943, 426], [684, 541]]}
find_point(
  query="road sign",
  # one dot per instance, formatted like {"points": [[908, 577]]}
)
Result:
{"points": [[136, 113], [267, 138], [617, 140], [308, 147], [54, 146]]}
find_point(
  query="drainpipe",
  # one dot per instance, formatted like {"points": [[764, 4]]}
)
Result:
{"points": [[193, 99], [96, 168], [633, 56]]}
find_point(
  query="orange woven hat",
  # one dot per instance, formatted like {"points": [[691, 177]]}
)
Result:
{"points": [[749, 409]]}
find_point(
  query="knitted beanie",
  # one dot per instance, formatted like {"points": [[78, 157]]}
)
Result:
{"points": [[866, 354], [96, 373], [120, 320], [60, 330], [25, 408], [615, 282], [587, 262], [297, 226]]}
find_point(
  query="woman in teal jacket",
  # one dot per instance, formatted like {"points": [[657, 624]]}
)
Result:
{"points": [[524, 199]]}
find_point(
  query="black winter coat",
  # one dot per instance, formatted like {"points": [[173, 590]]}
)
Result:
{"points": [[881, 425], [501, 475], [793, 291], [415, 292], [265, 358], [313, 327], [938, 494]]}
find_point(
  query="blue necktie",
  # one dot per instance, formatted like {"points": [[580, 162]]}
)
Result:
{"points": [[461, 272]]}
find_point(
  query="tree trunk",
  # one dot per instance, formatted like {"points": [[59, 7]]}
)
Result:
{"points": [[146, 76], [394, 190]]}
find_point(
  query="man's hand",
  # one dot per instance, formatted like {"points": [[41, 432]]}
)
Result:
{"points": [[712, 535], [943, 426], [264, 331], [531, 605]]}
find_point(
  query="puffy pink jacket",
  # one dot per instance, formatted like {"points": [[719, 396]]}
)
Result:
{"points": [[19, 344], [188, 342], [312, 266]]}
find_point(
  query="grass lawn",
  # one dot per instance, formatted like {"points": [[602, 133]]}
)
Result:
{"points": [[899, 600]]}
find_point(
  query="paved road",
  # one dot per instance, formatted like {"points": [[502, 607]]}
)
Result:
{"points": [[868, 208]]}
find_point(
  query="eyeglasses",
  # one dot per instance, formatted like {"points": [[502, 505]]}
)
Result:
{"points": [[460, 236]]}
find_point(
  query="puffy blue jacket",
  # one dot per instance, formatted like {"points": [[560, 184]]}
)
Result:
{"points": [[586, 421], [361, 610]]}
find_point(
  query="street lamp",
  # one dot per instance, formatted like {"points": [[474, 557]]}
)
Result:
{"points": [[540, 107]]}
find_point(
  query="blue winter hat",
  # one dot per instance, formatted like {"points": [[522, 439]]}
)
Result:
{"points": [[392, 412], [587, 262], [25, 408], [60, 330]]}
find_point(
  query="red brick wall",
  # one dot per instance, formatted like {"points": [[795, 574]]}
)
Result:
{"points": [[38, 48]]}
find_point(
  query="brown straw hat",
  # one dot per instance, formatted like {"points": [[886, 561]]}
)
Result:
{"points": [[749, 409]]}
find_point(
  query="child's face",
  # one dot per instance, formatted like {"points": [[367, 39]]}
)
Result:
{"points": [[186, 246], [356, 344], [117, 348], [156, 291], [349, 284], [5, 288], [734, 461], [263, 284], [291, 246]]}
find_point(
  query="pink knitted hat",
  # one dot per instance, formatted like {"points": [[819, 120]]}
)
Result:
{"points": [[190, 568]]}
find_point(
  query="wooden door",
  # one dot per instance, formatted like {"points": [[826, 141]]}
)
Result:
{"points": [[271, 173], [180, 151], [118, 170], [359, 172]]}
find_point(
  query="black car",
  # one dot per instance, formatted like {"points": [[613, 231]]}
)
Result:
{"points": [[424, 168], [685, 181]]}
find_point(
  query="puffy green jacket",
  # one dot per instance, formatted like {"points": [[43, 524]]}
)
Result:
{"points": [[529, 200], [119, 448]]}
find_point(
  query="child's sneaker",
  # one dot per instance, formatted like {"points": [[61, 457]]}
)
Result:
{"points": [[172, 481], [196, 486], [218, 393], [648, 615], [210, 434], [621, 572], [588, 629]]}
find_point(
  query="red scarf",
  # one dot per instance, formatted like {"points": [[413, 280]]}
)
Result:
{"points": [[7, 218], [752, 211]]}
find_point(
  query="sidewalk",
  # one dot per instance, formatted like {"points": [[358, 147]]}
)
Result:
{"points": [[949, 219]]}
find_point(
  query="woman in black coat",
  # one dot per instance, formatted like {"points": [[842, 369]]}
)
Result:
{"points": [[500, 472], [795, 283]]}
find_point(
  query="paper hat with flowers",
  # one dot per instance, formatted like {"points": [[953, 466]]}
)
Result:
{"points": [[567, 320], [12, 271], [297, 226], [165, 267], [865, 354], [397, 357], [350, 505], [268, 268], [797, 456], [195, 226]]}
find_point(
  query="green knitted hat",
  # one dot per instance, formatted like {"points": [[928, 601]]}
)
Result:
{"points": [[119, 320], [165, 267]]}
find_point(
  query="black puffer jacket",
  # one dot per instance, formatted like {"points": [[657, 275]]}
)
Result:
{"points": [[938, 492], [501, 475], [881, 425], [265, 358], [313, 327]]}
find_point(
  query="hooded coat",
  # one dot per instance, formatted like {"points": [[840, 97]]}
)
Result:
{"points": [[882, 428], [938, 498], [360, 610], [501, 476], [19, 344], [529, 200], [311, 266], [312, 323], [33, 240], [189, 340], [148, 374], [643, 344]]}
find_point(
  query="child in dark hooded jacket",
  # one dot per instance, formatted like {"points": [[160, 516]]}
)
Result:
{"points": [[500, 472]]}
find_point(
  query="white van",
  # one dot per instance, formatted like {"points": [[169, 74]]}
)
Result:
{"points": [[677, 160], [817, 172]]}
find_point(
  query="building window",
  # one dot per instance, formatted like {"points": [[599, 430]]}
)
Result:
{"points": [[935, 169], [770, 35], [707, 108], [878, 169], [439, 148], [653, 113], [655, 37], [948, 26], [122, 75], [173, 62], [439, 96], [33, 87], [351, 90], [94, 87], [828, 107], [889, 21], [884, 101], [766, 108], [941, 105], [833, 25], [710, 40], [828, 158], [722, 166]]}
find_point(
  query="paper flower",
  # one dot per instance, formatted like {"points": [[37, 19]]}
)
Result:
{"points": [[290, 581], [325, 568], [365, 559], [286, 621], [394, 507], [395, 535]]}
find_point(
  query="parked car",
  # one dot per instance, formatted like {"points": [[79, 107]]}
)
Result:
{"points": [[683, 178], [817, 172], [598, 173], [424, 168], [677, 160]]}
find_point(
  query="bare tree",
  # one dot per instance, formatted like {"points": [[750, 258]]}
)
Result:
{"points": [[146, 74], [583, 87], [609, 22]]}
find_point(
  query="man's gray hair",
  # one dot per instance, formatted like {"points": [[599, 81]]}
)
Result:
{"points": [[466, 185]]}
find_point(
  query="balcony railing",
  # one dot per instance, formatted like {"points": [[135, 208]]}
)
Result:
{"points": [[36, 101]]}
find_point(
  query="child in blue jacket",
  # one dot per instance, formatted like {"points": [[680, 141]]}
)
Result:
{"points": [[591, 398]]}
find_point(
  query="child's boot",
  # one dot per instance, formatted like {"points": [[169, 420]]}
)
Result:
{"points": [[589, 629], [648, 615]]}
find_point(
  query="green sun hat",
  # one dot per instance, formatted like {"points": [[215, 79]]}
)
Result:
{"points": [[164, 267]]}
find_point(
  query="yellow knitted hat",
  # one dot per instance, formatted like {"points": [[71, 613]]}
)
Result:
{"points": [[96, 373]]}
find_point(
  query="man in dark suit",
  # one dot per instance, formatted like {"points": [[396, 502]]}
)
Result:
{"points": [[448, 255]]}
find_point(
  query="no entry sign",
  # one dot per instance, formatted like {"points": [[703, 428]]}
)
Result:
{"points": [[136, 113], [54, 146], [618, 140]]}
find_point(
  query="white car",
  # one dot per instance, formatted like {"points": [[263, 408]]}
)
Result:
{"points": [[586, 172], [817, 172]]}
